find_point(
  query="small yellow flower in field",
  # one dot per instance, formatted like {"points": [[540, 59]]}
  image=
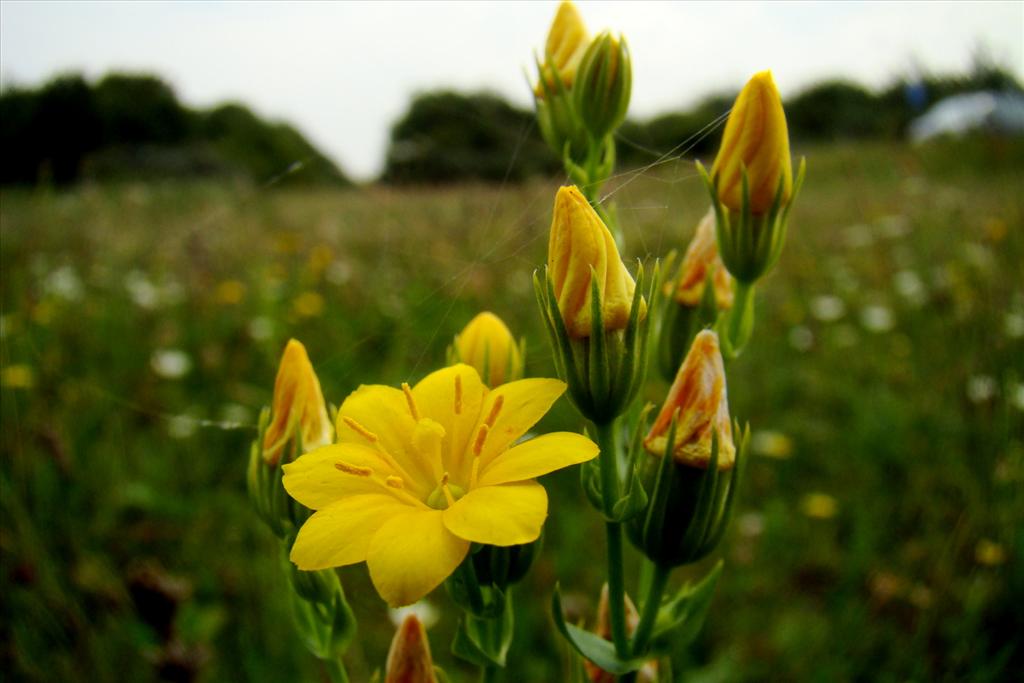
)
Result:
{"points": [[487, 344], [755, 138], [298, 406], [409, 659], [18, 377], [320, 256], [698, 401], [989, 553], [580, 244], [648, 673], [230, 292], [567, 42], [819, 505], [420, 473], [702, 258], [308, 305], [772, 444]]}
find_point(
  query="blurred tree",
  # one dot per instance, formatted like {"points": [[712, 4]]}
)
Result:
{"points": [[139, 110], [835, 109], [448, 136]]}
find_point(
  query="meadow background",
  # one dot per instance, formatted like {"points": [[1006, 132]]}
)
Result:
{"points": [[156, 257]]}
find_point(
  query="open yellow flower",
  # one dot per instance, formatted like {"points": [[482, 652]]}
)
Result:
{"points": [[698, 398], [421, 472], [700, 259], [580, 244], [487, 344], [755, 138], [566, 44], [298, 405]]}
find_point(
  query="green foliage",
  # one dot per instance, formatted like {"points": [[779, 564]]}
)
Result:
{"points": [[130, 126], [447, 136]]}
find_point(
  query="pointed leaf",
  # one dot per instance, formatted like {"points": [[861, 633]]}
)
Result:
{"points": [[590, 645]]}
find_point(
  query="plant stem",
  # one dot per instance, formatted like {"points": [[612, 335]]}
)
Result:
{"points": [[741, 318], [607, 440], [336, 671], [488, 674], [652, 602]]}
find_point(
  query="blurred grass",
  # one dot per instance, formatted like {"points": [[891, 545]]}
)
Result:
{"points": [[879, 530]]}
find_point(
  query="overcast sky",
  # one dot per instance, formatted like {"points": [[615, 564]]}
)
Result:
{"points": [[343, 73]]}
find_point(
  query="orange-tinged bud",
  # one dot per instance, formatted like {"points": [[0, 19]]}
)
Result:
{"points": [[580, 244], [755, 138], [298, 405], [567, 42], [702, 258], [698, 399], [648, 672], [487, 344], [409, 659]]}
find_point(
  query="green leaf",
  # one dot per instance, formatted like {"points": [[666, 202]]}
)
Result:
{"points": [[681, 618], [590, 645], [590, 480]]}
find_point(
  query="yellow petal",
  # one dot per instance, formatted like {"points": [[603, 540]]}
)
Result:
{"points": [[435, 398], [316, 482], [511, 409], [340, 534], [383, 413], [537, 457], [504, 515], [411, 554]]}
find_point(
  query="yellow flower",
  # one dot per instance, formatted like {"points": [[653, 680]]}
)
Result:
{"points": [[409, 659], [420, 473], [487, 344], [698, 398], [566, 44], [309, 304], [701, 258], [298, 405], [755, 138], [18, 377], [580, 242]]}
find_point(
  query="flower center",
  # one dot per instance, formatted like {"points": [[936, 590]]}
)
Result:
{"points": [[445, 495]]}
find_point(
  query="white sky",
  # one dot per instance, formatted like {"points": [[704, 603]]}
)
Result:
{"points": [[343, 73]]}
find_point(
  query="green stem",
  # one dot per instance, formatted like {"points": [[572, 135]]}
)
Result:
{"points": [[488, 674], [651, 604], [607, 440], [741, 318], [336, 671]]}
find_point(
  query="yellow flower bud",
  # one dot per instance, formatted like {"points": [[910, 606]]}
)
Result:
{"points": [[755, 138], [409, 659], [580, 243], [487, 344], [648, 673], [698, 401], [700, 259], [298, 405], [567, 42]]}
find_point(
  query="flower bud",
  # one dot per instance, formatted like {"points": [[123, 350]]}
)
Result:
{"points": [[487, 344], [698, 402], [755, 139], [604, 84], [580, 247], [702, 259], [566, 44], [648, 673], [298, 407], [409, 659]]}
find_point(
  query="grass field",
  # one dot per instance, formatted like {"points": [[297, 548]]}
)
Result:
{"points": [[878, 536]]}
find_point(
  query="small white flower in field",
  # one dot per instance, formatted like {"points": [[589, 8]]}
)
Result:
{"points": [[979, 256], [858, 236], [827, 308], [64, 283], [771, 444], [751, 524], [141, 289], [877, 318], [1013, 325], [182, 426], [170, 363], [818, 505], [981, 388], [261, 328], [893, 227], [339, 272], [801, 338], [422, 610], [909, 285], [235, 414]]}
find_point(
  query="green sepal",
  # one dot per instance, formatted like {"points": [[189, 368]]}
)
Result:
{"points": [[485, 641], [323, 617], [634, 499], [466, 590], [680, 619], [590, 480], [592, 646], [440, 675]]}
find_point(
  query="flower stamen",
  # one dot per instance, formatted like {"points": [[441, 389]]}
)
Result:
{"points": [[481, 437], [447, 491], [413, 410], [354, 470], [492, 417], [395, 482], [458, 394], [360, 429]]}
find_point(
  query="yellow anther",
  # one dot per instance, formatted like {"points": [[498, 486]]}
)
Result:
{"points": [[356, 470], [413, 410], [395, 482], [458, 394], [492, 417], [481, 436], [359, 429]]}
